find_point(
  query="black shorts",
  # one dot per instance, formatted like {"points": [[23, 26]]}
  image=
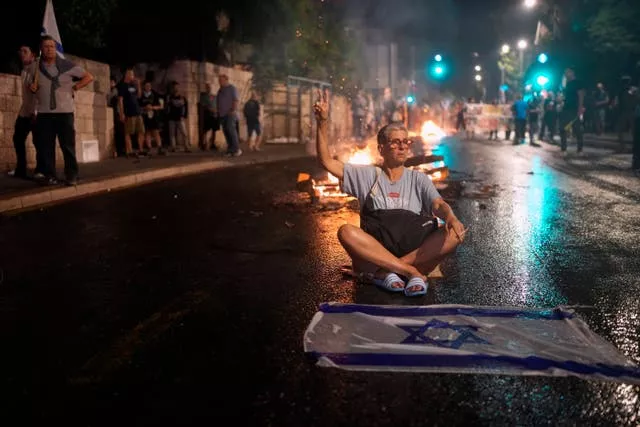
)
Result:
{"points": [[151, 123], [254, 127], [210, 123], [398, 230]]}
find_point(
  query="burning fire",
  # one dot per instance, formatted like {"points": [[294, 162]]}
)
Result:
{"points": [[431, 131], [364, 156]]}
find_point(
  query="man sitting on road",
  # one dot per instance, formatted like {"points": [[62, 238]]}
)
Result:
{"points": [[399, 206]]}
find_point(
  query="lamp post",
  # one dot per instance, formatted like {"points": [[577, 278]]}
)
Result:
{"points": [[522, 45]]}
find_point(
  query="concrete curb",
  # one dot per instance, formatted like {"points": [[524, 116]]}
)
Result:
{"points": [[57, 194]]}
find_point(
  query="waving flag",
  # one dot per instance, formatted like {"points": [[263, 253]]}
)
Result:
{"points": [[463, 339], [50, 27]]}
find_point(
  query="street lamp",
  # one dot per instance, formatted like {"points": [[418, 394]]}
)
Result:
{"points": [[505, 49], [530, 4], [478, 78], [478, 68], [522, 45]]}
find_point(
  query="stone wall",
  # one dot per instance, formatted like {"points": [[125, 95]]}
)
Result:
{"points": [[94, 121]]}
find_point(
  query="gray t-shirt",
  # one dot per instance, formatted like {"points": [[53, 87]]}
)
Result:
{"points": [[413, 192], [64, 94], [226, 96]]}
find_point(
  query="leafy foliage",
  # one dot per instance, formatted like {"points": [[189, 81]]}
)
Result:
{"points": [[307, 39], [84, 24], [510, 63], [614, 27]]}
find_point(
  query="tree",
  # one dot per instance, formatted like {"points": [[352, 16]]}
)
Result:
{"points": [[509, 63], [614, 27], [307, 39], [84, 24]]}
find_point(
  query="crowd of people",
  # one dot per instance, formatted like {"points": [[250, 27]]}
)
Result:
{"points": [[142, 116], [151, 117]]}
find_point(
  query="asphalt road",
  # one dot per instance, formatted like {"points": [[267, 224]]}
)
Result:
{"points": [[184, 302]]}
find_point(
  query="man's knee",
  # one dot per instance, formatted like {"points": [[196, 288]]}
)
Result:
{"points": [[347, 233], [452, 241]]}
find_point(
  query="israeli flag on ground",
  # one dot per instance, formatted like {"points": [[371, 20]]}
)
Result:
{"points": [[463, 339], [50, 27]]}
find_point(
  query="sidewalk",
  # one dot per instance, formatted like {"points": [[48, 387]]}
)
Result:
{"points": [[112, 174], [605, 141]]}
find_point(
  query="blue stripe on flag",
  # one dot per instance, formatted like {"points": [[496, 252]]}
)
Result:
{"points": [[374, 310], [479, 361]]}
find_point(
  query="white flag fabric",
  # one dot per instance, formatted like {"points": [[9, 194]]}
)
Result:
{"points": [[463, 339], [542, 32], [50, 27]]}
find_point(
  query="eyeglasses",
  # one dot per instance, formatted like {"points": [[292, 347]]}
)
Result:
{"points": [[395, 143]]}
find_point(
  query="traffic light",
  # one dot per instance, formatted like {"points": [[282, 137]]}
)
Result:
{"points": [[542, 81], [543, 58], [410, 99], [438, 68]]}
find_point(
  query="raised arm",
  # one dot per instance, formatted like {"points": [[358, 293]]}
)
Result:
{"points": [[333, 166]]}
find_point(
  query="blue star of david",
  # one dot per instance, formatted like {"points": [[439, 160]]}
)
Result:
{"points": [[465, 334]]}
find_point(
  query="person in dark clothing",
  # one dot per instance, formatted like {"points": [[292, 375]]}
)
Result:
{"points": [[129, 92], [252, 116], [26, 116], [177, 112], [118, 126], [601, 102], [533, 116], [520, 109], [625, 103], [549, 118], [208, 118], [151, 104], [572, 111], [635, 163], [58, 79]]}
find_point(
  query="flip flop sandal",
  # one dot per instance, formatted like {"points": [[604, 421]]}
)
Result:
{"points": [[388, 282], [415, 282]]}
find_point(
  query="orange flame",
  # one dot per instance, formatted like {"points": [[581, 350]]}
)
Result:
{"points": [[431, 131]]}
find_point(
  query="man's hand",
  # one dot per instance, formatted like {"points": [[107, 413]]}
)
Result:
{"points": [[33, 87], [321, 107], [455, 226]]}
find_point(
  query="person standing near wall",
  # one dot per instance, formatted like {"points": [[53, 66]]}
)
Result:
{"points": [[252, 117], [177, 112], [58, 79], [228, 101], [27, 115]]}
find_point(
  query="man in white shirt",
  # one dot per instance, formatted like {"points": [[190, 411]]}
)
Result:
{"points": [[26, 116]]}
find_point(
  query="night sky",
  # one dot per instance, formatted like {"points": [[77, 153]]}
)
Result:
{"points": [[458, 27]]}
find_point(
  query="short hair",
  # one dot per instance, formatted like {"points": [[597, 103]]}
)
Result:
{"points": [[383, 134], [47, 37]]}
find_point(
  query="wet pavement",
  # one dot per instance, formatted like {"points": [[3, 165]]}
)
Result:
{"points": [[184, 302]]}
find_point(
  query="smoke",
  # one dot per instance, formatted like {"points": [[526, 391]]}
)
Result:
{"points": [[434, 20]]}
